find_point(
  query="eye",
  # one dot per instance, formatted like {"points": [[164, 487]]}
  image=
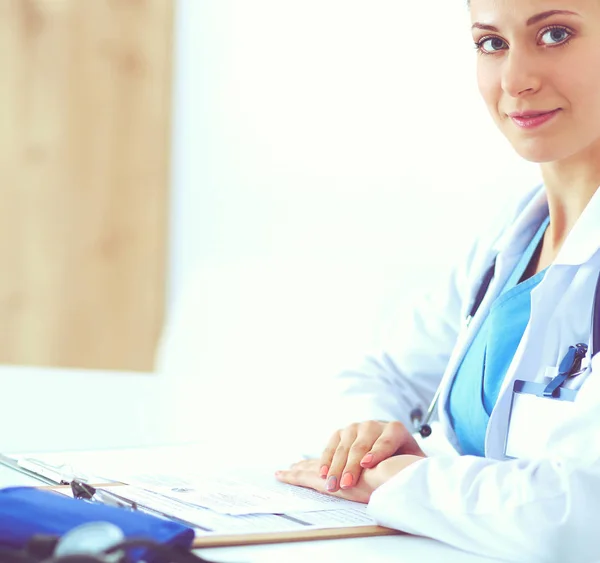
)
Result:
{"points": [[556, 36], [489, 45]]}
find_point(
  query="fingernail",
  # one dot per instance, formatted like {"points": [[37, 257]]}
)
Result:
{"points": [[347, 480], [367, 459], [331, 483], [324, 471]]}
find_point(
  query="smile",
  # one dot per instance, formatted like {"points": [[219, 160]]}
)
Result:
{"points": [[534, 120]]}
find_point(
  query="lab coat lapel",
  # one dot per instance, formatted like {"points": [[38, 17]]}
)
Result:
{"points": [[507, 249], [584, 239]]}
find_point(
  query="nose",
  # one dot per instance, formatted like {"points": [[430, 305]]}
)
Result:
{"points": [[520, 75]]}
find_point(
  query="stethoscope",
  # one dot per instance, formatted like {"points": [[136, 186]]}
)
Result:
{"points": [[421, 424]]}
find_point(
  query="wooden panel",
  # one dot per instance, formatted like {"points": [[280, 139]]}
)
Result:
{"points": [[84, 154]]}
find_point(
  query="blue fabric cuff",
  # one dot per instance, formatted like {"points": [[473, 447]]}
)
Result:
{"points": [[27, 511]]}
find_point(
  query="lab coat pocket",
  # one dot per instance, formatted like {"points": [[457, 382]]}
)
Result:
{"points": [[534, 417]]}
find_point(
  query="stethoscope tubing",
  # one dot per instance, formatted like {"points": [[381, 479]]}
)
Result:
{"points": [[422, 426]]}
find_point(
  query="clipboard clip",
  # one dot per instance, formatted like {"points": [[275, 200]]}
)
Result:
{"points": [[570, 366], [85, 491]]}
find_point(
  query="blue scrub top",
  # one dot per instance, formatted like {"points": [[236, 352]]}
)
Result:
{"points": [[477, 383]]}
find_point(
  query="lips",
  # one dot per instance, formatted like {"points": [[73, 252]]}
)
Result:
{"points": [[532, 119], [531, 114]]}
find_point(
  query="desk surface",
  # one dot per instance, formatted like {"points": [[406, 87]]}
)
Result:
{"points": [[397, 549]]}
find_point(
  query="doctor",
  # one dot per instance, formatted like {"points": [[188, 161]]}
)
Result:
{"points": [[539, 73]]}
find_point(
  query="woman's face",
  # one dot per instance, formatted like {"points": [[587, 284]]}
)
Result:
{"points": [[534, 58]]}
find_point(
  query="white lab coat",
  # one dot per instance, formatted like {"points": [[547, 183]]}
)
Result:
{"points": [[544, 509]]}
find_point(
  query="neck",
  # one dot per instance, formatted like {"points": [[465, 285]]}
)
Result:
{"points": [[570, 185]]}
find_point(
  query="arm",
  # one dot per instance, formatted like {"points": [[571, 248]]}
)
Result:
{"points": [[387, 386], [518, 510]]}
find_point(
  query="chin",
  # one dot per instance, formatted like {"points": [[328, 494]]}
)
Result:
{"points": [[537, 158], [539, 152]]}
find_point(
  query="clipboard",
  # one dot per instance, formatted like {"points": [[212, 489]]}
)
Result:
{"points": [[258, 538], [231, 540], [13, 464]]}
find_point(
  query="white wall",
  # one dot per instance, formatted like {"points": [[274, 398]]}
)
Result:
{"points": [[330, 158], [326, 128], [66, 409]]}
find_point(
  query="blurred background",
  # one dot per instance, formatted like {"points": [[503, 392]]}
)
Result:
{"points": [[211, 206]]}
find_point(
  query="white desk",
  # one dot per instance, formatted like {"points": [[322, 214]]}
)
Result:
{"points": [[396, 549]]}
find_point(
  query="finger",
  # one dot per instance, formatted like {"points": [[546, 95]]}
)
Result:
{"points": [[307, 465], [300, 477], [311, 480], [367, 435], [347, 438], [394, 439], [328, 453]]}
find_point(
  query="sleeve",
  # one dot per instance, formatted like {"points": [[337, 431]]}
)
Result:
{"points": [[388, 385], [516, 510]]}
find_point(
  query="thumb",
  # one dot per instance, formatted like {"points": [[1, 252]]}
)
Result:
{"points": [[384, 448]]}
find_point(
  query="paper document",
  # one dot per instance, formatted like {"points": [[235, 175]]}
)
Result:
{"points": [[355, 516], [204, 518], [207, 522], [180, 473], [247, 496]]}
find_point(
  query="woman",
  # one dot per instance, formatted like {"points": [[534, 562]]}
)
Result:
{"points": [[539, 73]]}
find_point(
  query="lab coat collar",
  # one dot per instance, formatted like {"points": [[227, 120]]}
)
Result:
{"points": [[581, 243], [526, 220], [584, 239]]}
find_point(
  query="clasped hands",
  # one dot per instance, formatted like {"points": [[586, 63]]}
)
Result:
{"points": [[357, 460]]}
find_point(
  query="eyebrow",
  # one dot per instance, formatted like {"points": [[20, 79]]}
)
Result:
{"points": [[531, 21]]}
